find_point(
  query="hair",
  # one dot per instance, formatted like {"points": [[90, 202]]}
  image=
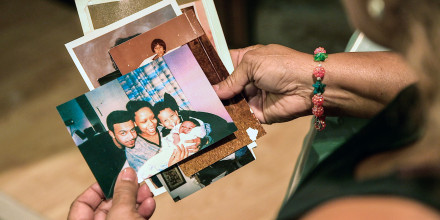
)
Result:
{"points": [[109, 77], [168, 102], [158, 42], [134, 105], [422, 25], [117, 117], [193, 121]]}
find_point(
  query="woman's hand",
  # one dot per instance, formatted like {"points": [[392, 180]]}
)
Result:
{"points": [[276, 80], [195, 147], [179, 154], [129, 201]]}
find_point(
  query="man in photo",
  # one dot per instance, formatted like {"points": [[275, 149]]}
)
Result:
{"points": [[121, 129], [105, 152]]}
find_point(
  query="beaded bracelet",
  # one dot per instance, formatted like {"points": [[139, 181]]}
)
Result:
{"points": [[318, 99]]}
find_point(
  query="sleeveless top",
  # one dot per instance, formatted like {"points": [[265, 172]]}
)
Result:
{"points": [[395, 127]]}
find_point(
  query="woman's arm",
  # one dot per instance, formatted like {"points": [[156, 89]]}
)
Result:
{"points": [[278, 82]]}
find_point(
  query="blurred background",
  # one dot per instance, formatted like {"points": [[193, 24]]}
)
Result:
{"points": [[41, 171]]}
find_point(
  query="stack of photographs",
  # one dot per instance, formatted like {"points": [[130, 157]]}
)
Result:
{"points": [[150, 66]]}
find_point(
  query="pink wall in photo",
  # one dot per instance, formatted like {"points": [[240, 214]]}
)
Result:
{"points": [[194, 83]]}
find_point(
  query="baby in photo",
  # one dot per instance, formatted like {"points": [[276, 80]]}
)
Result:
{"points": [[187, 130]]}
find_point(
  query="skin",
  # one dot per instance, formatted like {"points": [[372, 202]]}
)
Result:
{"points": [[124, 134], [278, 82], [169, 118], [159, 50], [147, 123], [130, 201], [280, 77], [179, 154], [186, 127]]}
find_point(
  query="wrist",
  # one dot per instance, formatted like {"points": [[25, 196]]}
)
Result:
{"points": [[320, 55]]}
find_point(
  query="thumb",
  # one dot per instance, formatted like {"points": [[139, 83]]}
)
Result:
{"points": [[232, 85], [125, 193], [241, 76]]}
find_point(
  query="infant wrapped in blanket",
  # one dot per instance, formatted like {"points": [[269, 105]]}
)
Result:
{"points": [[187, 130]]}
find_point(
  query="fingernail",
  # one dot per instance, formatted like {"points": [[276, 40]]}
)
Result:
{"points": [[128, 174]]}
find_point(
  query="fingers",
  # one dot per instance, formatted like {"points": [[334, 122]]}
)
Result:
{"points": [[85, 205], [237, 54], [173, 159], [183, 152], [195, 147], [196, 142], [179, 154], [103, 209], [241, 76], [147, 207], [192, 148], [146, 201], [191, 141], [175, 152], [125, 193], [232, 85], [143, 193]]}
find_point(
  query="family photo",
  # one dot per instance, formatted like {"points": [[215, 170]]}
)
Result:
{"points": [[156, 105], [146, 120], [193, 60]]}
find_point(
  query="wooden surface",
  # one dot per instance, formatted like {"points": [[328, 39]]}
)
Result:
{"points": [[40, 166]]}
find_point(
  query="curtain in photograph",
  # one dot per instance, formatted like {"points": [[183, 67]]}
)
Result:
{"points": [[151, 81]]}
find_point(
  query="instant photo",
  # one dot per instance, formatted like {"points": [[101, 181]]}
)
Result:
{"points": [[144, 116], [90, 53], [85, 119], [185, 31], [180, 186], [100, 13]]}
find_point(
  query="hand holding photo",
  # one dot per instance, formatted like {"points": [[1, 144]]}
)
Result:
{"points": [[144, 113], [192, 60]]}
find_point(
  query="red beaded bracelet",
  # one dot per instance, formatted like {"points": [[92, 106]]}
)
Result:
{"points": [[318, 99]]}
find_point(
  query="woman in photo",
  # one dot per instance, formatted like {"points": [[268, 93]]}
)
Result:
{"points": [[169, 115], [150, 139]]}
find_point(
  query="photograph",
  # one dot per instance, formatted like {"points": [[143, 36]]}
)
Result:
{"points": [[95, 14], [180, 186], [146, 119], [186, 27], [173, 178], [184, 104], [138, 51], [90, 52], [100, 136]]}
